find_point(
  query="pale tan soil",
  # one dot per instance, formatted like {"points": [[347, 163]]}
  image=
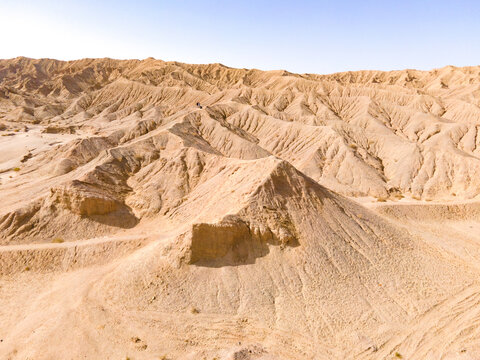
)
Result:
{"points": [[291, 217]]}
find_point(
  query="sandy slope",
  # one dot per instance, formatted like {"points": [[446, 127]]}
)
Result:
{"points": [[291, 216]]}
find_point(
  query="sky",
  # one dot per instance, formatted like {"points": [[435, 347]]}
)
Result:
{"points": [[300, 36]]}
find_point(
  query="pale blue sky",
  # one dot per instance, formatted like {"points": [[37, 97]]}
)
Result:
{"points": [[299, 36]]}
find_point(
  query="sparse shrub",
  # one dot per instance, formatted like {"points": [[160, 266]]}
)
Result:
{"points": [[353, 146], [194, 310], [381, 199], [16, 169], [57, 241], [398, 355], [27, 268]]}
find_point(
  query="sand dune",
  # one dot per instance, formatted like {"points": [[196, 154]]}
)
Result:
{"points": [[288, 217]]}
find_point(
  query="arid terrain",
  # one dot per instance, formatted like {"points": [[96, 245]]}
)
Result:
{"points": [[287, 217]]}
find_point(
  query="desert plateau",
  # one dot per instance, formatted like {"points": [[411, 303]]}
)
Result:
{"points": [[162, 210]]}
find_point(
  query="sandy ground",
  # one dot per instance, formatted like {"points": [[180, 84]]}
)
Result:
{"points": [[18, 147]]}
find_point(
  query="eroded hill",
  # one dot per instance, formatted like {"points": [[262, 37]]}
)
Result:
{"points": [[149, 226]]}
